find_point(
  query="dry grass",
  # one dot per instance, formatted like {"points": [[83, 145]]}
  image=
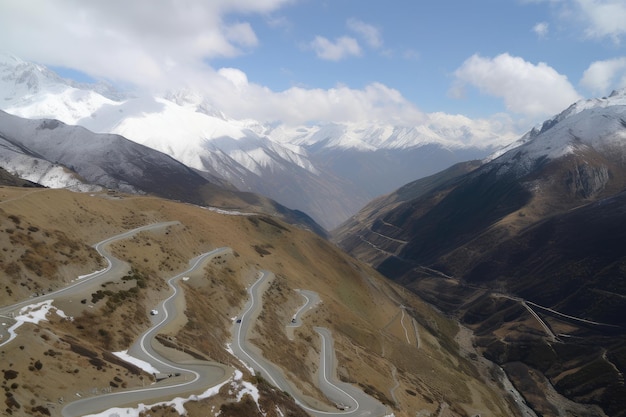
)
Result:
{"points": [[358, 305]]}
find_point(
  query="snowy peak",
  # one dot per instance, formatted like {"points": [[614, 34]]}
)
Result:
{"points": [[617, 98], [193, 136], [20, 79], [450, 132], [305, 167], [111, 161], [181, 123], [33, 91], [194, 101], [596, 124]]}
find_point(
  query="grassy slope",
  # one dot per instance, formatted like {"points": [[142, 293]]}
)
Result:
{"points": [[50, 244]]}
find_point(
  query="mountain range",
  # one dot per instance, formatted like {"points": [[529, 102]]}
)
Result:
{"points": [[52, 154], [327, 171], [527, 248], [523, 245]]}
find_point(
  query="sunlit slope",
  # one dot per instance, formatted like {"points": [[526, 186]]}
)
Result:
{"points": [[388, 343]]}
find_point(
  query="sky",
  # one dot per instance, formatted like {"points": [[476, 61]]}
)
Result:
{"points": [[507, 63]]}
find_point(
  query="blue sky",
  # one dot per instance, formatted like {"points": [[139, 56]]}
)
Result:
{"points": [[338, 60]]}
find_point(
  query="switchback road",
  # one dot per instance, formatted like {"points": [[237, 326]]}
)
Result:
{"points": [[190, 377], [348, 399], [114, 268]]}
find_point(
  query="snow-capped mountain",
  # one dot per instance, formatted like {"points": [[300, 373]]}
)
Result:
{"points": [[450, 132], [51, 153], [60, 156], [328, 171], [25, 165], [595, 125], [180, 123], [573, 159], [541, 224]]}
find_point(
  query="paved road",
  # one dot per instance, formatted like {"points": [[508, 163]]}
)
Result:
{"points": [[198, 376], [191, 377], [195, 376], [115, 268], [355, 401], [311, 300]]}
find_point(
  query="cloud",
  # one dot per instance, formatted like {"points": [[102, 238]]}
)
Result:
{"points": [[129, 41], [370, 33], [334, 51], [600, 18], [603, 76], [346, 46], [237, 77], [297, 105], [375, 103], [541, 29], [526, 88], [241, 34], [605, 18], [170, 47], [458, 130]]}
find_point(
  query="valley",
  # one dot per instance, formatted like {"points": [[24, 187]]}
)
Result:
{"points": [[154, 250], [526, 249]]}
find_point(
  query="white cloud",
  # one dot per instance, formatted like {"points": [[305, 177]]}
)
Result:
{"points": [[170, 46], [346, 46], [541, 29], [237, 77], [129, 41], [298, 105], [334, 51], [370, 33], [241, 34], [600, 18], [603, 76], [458, 130], [526, 88], [375, 103], [605, 18]]}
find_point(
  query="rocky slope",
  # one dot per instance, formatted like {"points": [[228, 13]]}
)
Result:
{"points": [[536, 230]]}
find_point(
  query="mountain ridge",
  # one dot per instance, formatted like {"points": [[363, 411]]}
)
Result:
{"points": [[61, 156], [189, 127], [527, 249]]}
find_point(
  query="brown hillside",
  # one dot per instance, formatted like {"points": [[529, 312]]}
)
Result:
{"points": [[411, 358]]}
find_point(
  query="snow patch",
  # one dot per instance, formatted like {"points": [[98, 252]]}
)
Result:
{"points": [[238, 387], [90, 274], [177, 403], [245, 365], [244, 387], [145, 366], [33, 313]]}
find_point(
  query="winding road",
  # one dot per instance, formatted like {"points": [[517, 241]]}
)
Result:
{"points": [[195, 376], [348, 399], [311, 299], [115, 268]]}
